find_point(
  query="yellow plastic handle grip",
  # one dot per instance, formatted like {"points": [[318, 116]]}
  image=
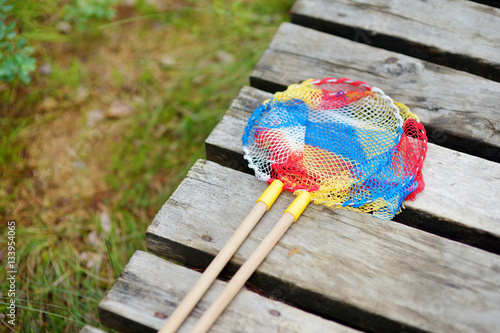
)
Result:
{"points": [[298, 205], [271, 193]]}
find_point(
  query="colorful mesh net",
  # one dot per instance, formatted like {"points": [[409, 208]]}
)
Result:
{"points": [[348, 144]]}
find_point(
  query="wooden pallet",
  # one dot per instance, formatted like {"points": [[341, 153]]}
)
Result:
{"points": [[435, 268]]}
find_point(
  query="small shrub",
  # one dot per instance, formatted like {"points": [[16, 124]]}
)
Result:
{"points": [[15, 55]]}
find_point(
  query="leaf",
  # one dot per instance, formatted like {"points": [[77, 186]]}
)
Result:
{"points": [[7, 46], [29, 64], [24, 77], [7, 8], [11, 35], [21, 42], [28, 50], [11, 26], [6, 72]]}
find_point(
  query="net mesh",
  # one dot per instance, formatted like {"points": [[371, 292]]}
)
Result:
{"points": [[347, 143]]}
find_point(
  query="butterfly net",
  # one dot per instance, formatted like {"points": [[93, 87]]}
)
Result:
{"points": [[347, 143]]}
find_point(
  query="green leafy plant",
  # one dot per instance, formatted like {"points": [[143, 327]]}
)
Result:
{"points": [[80, 12], [15, 55]]}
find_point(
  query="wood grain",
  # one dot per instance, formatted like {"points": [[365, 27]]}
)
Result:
{"points": [[460, 110], [375, 274], [149, 288], [459, 201], [455, 33]]}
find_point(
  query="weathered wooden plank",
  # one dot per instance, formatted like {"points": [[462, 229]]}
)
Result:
{"points": [[459, 201], [372, 273], [459, 110], [455, 33], [90, 329], [150, 288]]}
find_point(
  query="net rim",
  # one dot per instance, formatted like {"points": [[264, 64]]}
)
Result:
{"points": [[367, 87]]}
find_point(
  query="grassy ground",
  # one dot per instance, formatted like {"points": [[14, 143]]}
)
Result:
{"points": [[115, 115]]}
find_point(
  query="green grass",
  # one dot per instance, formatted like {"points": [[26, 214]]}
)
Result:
{"points": [[178, 68]]}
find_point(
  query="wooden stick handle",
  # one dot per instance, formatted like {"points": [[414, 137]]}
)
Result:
{"points": [[246, 270], [208, 277], [213, 312]]}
